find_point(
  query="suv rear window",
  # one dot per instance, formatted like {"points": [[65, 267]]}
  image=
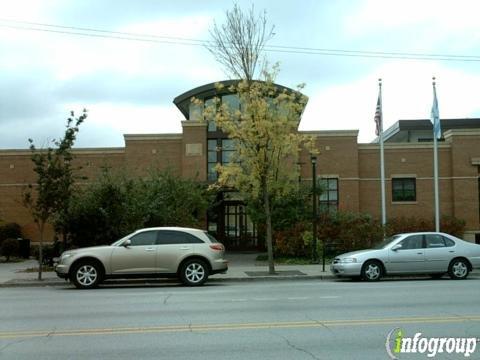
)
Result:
{"points": [[211, 238], [168, 237]]}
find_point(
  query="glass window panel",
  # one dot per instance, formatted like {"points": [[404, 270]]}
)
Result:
{"points": [[228, 144], [168, 237], [449, 242], [212, 174], [435, 241], [212, 145], [212, 126], [212, 156], [324, 196], [227, 156], [232, 102], [332, 195], [412, 242], [144, 238], [195, 112], [210, 105], [397, 185], [404, 189], [409, 185], [333, 184]]}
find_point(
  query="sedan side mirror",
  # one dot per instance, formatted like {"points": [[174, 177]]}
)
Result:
{"points": [[396, 247], [127, 243]]}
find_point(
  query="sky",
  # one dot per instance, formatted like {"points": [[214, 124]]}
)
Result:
{"points": [[128, 85]]}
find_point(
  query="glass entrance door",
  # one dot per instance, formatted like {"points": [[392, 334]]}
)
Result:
{"points": [[239, 230]]}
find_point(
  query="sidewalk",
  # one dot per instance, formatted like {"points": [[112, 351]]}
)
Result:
{"points": [[242, 267]]}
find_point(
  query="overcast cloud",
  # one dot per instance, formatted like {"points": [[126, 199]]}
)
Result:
{"points": [[128, 86]]}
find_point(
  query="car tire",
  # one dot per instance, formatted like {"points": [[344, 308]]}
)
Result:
{"points": [[372, 271], [194, 272], [86, 274], [458, 269]]}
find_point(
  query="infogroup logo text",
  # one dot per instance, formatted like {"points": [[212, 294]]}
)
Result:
{"points": [[397, 343]]}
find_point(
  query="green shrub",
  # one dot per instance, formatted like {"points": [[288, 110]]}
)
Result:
{"points": [[10, 231], [345, 231], [9, 248], [448, 224], [291, 242]]}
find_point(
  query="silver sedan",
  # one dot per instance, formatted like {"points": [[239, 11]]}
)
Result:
{"points": [[428, 253]]}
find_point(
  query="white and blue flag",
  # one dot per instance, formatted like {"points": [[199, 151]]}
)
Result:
{"points": [[435, 116]]}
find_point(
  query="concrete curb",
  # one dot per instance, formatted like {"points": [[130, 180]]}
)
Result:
{"points": [[59, 282]]}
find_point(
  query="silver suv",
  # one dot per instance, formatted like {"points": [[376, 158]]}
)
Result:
{"points": [[189, 254]]}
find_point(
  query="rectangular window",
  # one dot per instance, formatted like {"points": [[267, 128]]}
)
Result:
{"points": [[228, 148], [232, 102], [210, 116], [328, 200], [404, 189], [195, 112], [212, 159]]}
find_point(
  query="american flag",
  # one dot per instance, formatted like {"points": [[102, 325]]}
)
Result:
{"points": [[378, 115]]}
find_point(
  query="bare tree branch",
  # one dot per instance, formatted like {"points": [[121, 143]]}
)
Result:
{"points": [[238, 43]]}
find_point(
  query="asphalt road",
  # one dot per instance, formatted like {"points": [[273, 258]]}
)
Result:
{"points": [[241, 320]]}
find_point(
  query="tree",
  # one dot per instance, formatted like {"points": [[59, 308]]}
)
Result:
{"points": [[238, 43], [53, 189], [115, 205], [267, 144], [9, 247]]}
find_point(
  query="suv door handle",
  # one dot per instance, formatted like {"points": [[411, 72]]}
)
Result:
{"points": [[149, 249], [185, 248]]}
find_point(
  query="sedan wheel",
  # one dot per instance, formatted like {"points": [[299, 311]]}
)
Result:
{"points": [[372, 271], [458, 269], [86, 275], [194, 272]]}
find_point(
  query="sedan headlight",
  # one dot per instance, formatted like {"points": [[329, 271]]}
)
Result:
{"points": [[348, 260]]}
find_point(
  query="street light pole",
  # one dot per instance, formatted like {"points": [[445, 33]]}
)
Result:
{"points": [[313, 159]]}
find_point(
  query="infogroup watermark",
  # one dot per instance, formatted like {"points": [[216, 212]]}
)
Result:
{"points": [[397, 343]]}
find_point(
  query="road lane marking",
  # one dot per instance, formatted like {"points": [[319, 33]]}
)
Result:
{"points": [[237, 326]]}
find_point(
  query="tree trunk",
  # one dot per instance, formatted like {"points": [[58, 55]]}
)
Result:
{"points": [[40, 252], [268, 215]]}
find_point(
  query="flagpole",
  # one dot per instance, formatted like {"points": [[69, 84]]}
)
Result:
{"points": [[435, 160], [382, 162]]}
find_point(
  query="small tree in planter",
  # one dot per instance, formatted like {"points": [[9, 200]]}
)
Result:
{"points": [[54, 179]]}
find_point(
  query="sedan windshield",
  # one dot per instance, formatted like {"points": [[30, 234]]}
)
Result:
{"points": [[385, 242]]}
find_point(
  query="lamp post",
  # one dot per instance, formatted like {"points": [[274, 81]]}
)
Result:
{"points": [[313, 159]]}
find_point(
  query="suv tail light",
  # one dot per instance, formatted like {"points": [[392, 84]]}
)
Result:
{"points": [[217, 247]]}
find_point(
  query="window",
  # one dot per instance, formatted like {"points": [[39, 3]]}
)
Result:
{"points": [[228, 149], [170, 237], [404, 189], [220, 151], [144, 238], [195, 112], [412, 242], [212, 160], [210, 119], [232, 101], [328, 200]]}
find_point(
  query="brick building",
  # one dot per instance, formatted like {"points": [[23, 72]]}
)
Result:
{"points": [[348, 169]]}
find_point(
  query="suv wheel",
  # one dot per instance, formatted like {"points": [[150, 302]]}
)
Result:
{"points": [[86, 275], [194, 272]]}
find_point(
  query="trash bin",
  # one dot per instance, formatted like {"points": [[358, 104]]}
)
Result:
{"points": [[24, 248]]}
